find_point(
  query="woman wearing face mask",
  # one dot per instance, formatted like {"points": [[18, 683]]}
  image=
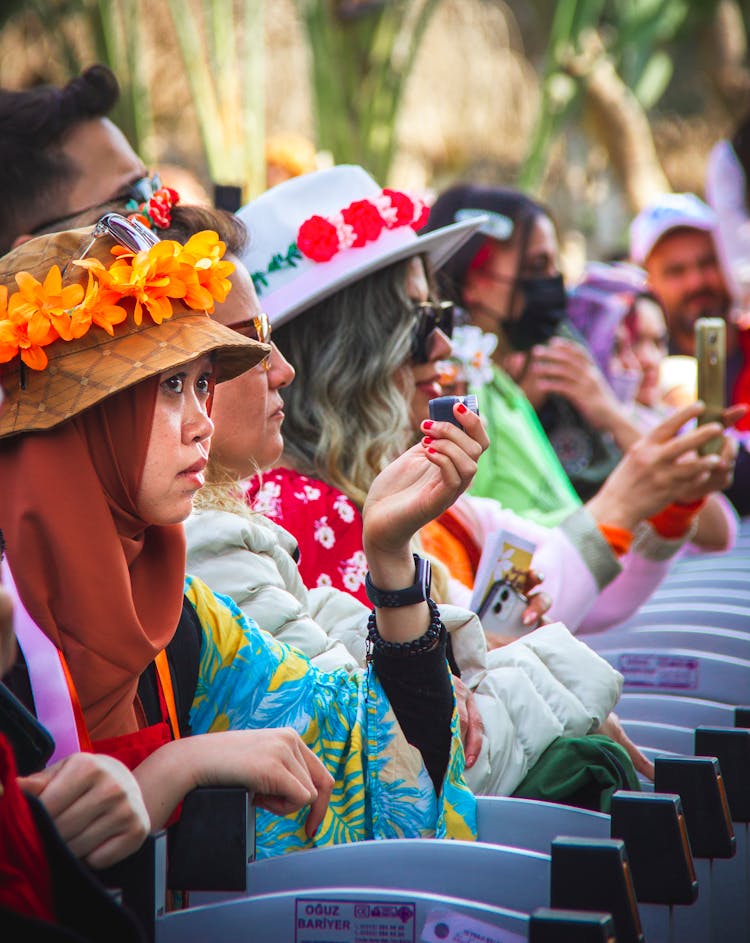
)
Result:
{"points": [[355, 350], [103, 445], [625, 330], [508, 280]]}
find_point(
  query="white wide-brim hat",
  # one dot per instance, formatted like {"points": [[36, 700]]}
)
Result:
{"points": [[344, 213]]}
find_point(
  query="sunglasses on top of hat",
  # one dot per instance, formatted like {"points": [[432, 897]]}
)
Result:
{"points": [[126, 232], [431, 316], [140, 190]]}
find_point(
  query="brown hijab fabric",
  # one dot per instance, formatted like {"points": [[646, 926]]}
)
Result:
{"points": [[101, 583]]}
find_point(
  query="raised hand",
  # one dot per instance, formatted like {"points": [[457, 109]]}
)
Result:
{"points": [[420, 484], [662, 467]]}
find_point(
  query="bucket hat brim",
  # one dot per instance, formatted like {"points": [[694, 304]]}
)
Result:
{"points": [[83, 372]]}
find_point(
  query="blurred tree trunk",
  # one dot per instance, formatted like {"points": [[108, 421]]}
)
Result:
{"points": [[728, 50], [621, 124], [361, 55]]}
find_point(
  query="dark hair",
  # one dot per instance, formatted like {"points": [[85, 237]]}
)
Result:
{"points": [[189, 220], [33, 126], [516, 206]]}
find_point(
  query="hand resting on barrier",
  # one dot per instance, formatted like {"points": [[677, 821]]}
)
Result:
{"points": [[274, 764]]}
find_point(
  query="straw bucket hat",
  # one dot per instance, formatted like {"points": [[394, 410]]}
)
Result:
{"points": [[315, 234], [83, 371]]}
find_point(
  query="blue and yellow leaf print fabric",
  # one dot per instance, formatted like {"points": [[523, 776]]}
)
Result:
{"points": [[248, 680]]}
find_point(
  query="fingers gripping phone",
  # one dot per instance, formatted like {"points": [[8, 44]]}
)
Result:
{"points": [[441, 408], [711, 352]]}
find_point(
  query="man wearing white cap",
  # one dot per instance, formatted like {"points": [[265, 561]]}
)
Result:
{"points": [[673, 240]]}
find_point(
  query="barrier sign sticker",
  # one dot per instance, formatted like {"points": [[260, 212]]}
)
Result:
{"points": [[449, 926], [673, 672], [318, 920]]}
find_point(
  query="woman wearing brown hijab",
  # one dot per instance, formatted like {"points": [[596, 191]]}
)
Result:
{"points": [[102, 446]]}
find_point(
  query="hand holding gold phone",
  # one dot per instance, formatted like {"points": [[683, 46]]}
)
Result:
{"points": [[711, 352]]}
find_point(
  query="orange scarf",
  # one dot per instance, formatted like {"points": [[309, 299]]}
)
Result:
{"points": [[103, 585]]}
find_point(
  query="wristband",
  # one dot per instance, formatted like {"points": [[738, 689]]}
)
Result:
{"points": [[618, 538], [419, 591], [674, 520]]}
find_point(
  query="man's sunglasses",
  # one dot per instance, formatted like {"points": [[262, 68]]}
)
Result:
{"points": [[431, 316], [140, 190]]}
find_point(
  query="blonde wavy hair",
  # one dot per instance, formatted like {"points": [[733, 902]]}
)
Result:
{"points": [[346, 413]]}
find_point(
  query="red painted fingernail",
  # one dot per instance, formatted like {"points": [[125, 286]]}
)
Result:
{"points": [[432, 451], [427, 424], [427, 439], [462, 408]]}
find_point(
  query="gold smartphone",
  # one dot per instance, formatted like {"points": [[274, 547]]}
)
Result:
{"points": [[711, 353]]}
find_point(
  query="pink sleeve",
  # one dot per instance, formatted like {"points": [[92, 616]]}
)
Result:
{"points": [[325, 524]]}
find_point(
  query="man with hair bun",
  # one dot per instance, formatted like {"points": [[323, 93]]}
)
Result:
{"points": [[62, 157]]}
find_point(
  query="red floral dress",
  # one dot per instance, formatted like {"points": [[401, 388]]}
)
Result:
{"points": [[323, 521]]}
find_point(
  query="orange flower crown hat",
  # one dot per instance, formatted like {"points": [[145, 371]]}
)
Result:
{"points": [[114, 318]]}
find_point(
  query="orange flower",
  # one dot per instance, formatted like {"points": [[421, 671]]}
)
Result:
{"points": [[24, 333], [48, 300], [151, 278], [203, 252], [97, 308]]}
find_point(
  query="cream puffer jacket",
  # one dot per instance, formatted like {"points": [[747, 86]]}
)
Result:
{"points": [[542, 686]]}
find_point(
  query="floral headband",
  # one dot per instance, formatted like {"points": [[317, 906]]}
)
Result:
{"points": [[320, 238], [156, 212], [40, 313]]}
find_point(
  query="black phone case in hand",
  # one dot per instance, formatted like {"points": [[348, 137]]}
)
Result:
{"points": [[32, 744]]}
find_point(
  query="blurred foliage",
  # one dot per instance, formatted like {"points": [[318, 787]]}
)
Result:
{"points": [[225, 70], [361, 56], [634, 35]]}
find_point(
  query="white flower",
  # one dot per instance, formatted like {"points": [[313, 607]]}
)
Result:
{"points": [[352, 580], [324, 580], [473, 350], [267, 499], [323, 533], [344, 510], [312, 493]]}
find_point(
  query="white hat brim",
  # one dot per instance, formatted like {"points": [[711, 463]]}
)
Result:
{"points": [[439, 245]]}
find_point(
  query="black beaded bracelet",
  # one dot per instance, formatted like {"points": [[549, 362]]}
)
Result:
{"points": [[425, 642]]}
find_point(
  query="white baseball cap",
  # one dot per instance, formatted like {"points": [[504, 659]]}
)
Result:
{"points": [[670, 211]]}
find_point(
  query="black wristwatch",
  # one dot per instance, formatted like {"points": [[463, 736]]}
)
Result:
{"points": [[419, 591]]}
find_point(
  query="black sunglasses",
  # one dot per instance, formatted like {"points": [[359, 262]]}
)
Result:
{"points": [[431, 316], [140, 190]]}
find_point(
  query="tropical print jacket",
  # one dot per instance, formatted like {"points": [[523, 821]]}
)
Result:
{"points": [[248, 680]]}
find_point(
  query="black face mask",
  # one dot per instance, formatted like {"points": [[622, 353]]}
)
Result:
{"points": [[544, 309]]}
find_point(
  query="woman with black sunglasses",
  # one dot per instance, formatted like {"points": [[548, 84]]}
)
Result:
{"points": [[377, 340]]}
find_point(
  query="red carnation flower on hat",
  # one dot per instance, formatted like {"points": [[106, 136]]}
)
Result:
{"points": [[365, 220], [318, 239], [404, 207]]}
